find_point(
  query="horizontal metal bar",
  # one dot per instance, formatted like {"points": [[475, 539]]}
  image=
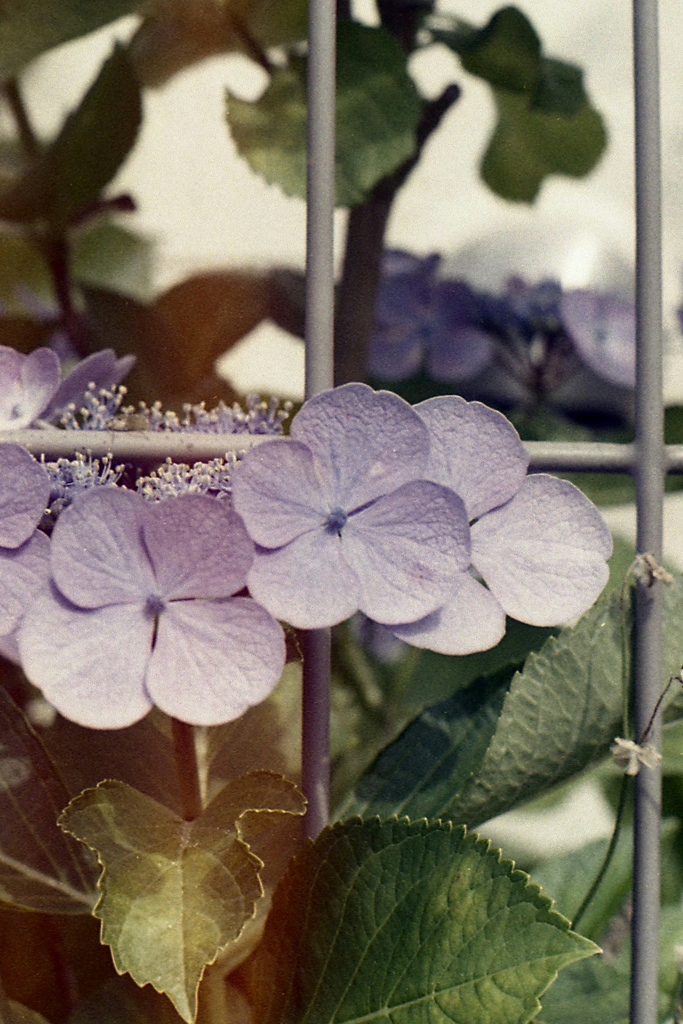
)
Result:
{"points": [[149, 447]]}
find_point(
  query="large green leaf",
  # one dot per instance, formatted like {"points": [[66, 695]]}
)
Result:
{"points": [[377, 113], [528, 144], [406, 922], [174, 893], [556, 716], [69, 175], [29, 27], [40, 868]]}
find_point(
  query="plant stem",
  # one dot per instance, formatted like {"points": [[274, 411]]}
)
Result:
{"points": [[365, 233], [187, 768], [15, 102], [623, 792]]}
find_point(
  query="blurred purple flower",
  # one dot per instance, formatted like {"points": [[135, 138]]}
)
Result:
{"points": [[423, 320], [31, 390], [342, 517], [24, 552], [538, 544], [141, 612], [603, 330]]}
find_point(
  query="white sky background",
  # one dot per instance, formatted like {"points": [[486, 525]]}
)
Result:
{"points": [[205, 209]]}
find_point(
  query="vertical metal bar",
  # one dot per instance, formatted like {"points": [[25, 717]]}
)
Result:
{"points": [[319, 337], [649, 503]]}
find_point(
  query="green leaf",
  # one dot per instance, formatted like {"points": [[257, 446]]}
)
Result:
{"points": [[40, 868], [406, 922], [559, 714], [24, 1015], [378, 109], [175, 893], [506, 52], [94, 141], [29, 27], [592, 992], [528, 144], [107, 255]]}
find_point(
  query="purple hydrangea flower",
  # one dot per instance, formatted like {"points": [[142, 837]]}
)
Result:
{"points": [[603, 330], [31, 390], [24, 552], [539, 546], [423, 320], [141, 611], [342, 517]]}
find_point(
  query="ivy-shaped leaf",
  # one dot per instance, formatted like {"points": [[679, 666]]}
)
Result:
{"points": [[175, 893], [546, 124], [40, 868], [378, 109], [29, 27], [528, 144], [406, 922], [69, 175], [552, 719]]}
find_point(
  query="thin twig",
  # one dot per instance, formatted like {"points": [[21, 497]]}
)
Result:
{"points": [[608, 855], [15, 101], [187, 768]]}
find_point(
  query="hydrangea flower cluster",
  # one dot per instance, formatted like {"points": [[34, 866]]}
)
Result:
{"points": [[32, 389], [422, 518], [538, 333]]}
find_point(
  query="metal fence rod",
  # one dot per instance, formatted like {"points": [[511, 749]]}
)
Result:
{"points": [[319, 341], [141, 448], [649, 479]]}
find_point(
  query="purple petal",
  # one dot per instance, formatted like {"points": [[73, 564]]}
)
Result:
{"points": [[474, 450], [9, 647], [197, 546], [102, 369], [364, 442], [213, 660], [407, 550], [27, 383], [458, 348], [472, 620], [396, 350], [24, 493], [603, 329], [98, 555], [276, 491], [24, 572], [306, 583], [90, 665], [543, 554]]}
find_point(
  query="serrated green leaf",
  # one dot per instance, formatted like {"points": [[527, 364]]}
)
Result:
{"points": [[406, 922], [529, 144], [95, 139], [559, 714], [40, 868], [29, 27], [175, 893], [378, 109]]}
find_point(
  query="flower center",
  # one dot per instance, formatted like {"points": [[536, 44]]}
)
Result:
{"points": [[336, 519], [154, 605]]}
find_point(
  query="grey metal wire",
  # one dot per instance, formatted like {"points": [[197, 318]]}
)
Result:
{"points": [[649, 479], [319, 339]]}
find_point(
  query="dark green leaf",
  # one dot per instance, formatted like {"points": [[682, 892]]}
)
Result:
{"points": [[506, 52], [406, 922], [29, 27], [559, 89], [529, 144], [592, 992], [24, 1015], [93, 143], [560, 713], [377, 113], [107, 255], [40, 868], [174, 893]]}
